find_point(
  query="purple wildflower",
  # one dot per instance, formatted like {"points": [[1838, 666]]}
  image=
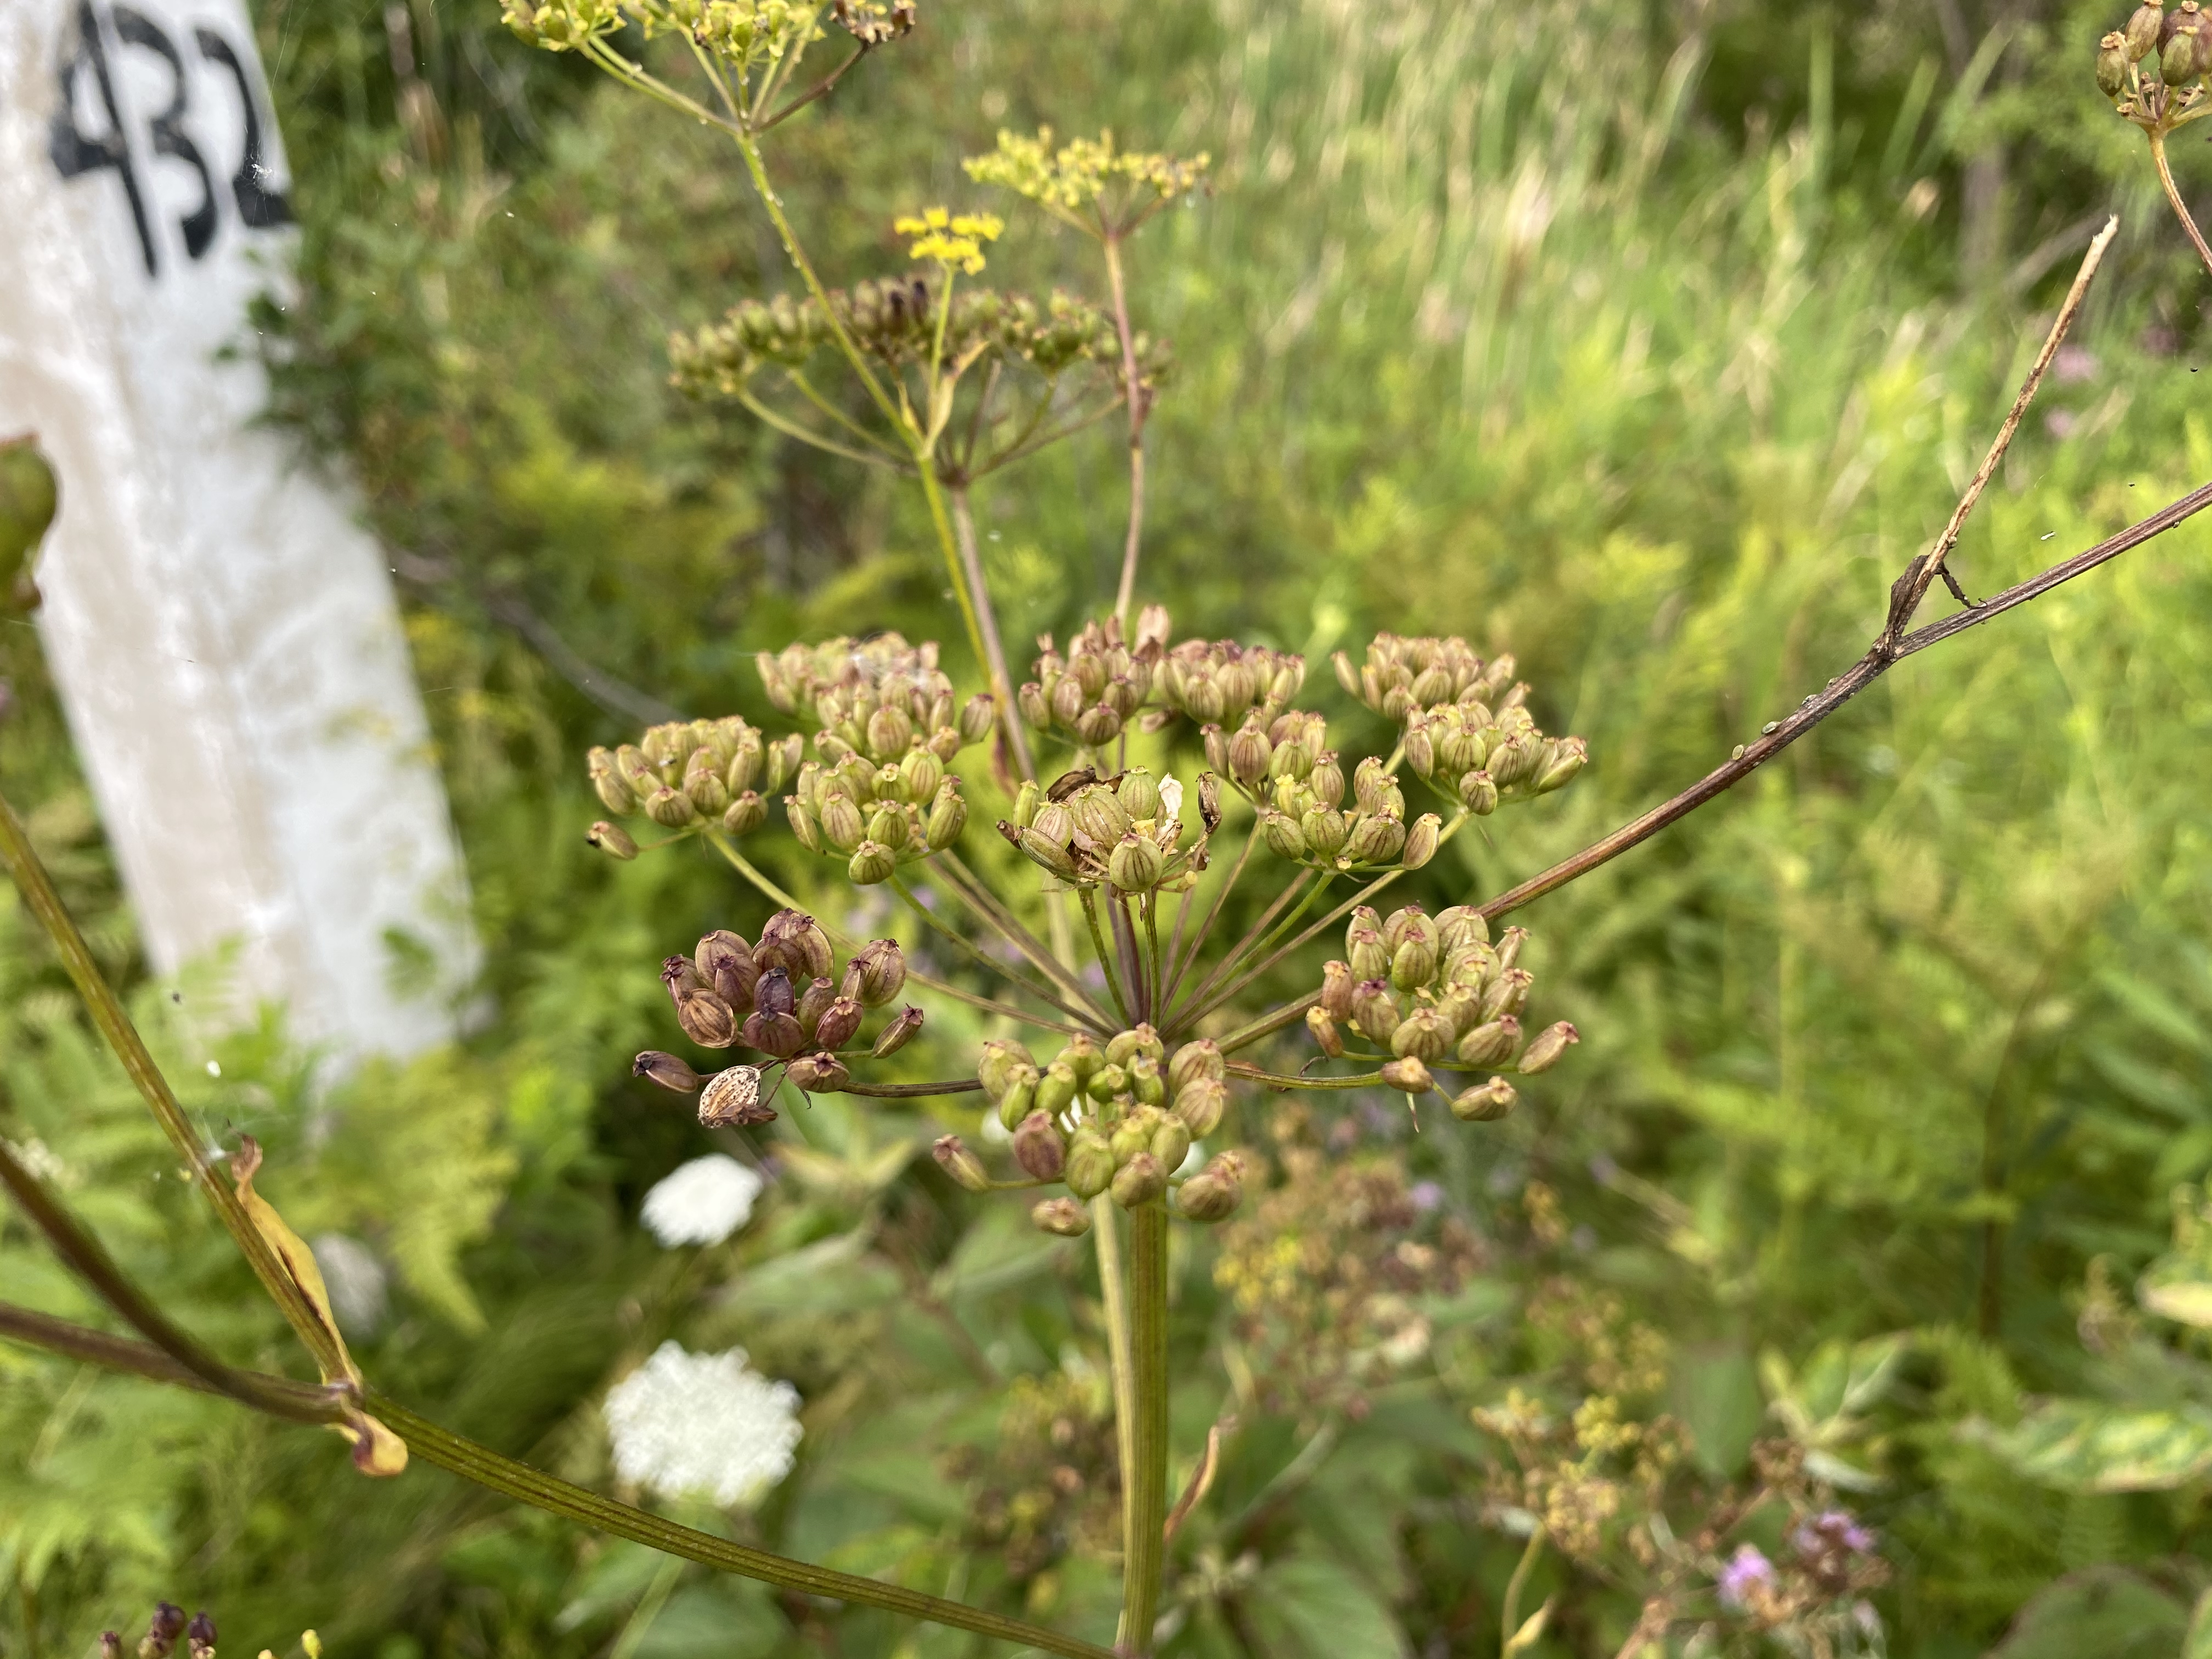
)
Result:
{"points": [[1749, 1570]]}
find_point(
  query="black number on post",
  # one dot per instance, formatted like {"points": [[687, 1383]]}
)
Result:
{"points": [[136, 29], [75, 152], [258, 206]]}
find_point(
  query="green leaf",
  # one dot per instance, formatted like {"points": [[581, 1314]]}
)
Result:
{"points": [[2178, 1287], [2105, 1611], [2081, 1445], [2197, 1643], [1304, 1608]]}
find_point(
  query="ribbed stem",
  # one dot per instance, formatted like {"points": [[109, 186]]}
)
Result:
{"points": [[1144, 1475]]}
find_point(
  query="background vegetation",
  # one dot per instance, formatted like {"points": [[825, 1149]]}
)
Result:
{"points": [[1646, 340]]}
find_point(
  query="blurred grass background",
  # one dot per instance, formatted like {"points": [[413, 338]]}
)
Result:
{"points": [[1645, 340]]}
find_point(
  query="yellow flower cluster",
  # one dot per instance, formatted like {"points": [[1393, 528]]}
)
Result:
{"points": [[950, 239], [1078, 173]]}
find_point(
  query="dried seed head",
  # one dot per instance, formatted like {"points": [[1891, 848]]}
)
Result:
{"points": [[1407, 1075], [707, 1020], [732, 1098], [612, 840], [877, 973], [963, 1166], [817, 1074], [1200, 1103], [1484, 1103], [839, 1024], [897, 1034], [1337, 981], [2145, 30], [814, 1000], [1546, 1046], [667, 1070], [1140, 1181], [1374, 1010], [1064, 1217], [1491, 1043], [1039, 1148], [1213, 1194]]}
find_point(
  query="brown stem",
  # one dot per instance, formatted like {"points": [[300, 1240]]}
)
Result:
{"points": [[275, 1396], [1840, 690], [107, 1013], [2174, 196], [959, 1085], [1133, 394], [819, 89], [986, 619], [1912, 587]]}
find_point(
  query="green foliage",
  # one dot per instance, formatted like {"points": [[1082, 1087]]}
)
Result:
{"points": [[1654, 361]]}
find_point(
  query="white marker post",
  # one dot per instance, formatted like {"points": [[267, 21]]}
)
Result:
{"points": [[223, 635]]}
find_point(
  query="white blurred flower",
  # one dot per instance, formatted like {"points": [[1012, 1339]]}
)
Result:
{"points": [[702, 1425], [702, 1202], [359, 1286], [1171, 799]]}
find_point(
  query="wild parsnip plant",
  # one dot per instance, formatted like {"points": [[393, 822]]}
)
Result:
{"points": [[1095, 935]]}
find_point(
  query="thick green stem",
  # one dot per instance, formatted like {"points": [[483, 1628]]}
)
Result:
{"points": [[1145, 1490]]}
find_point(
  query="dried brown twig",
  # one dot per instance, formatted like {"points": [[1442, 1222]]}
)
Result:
{"points": [[1894, 644]]}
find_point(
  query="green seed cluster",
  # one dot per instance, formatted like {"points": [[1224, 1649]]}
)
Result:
{"points": [[1127, 832], [1118, 1119], [689, 776], [2156, 49], [1429, 991], [1296, 784], [894, 320]]}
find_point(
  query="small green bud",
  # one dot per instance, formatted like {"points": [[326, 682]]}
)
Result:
{"points": [[888, 826], [636, 772], [805, 823], [921, 772], [1370, 954], [1325, 829], [1063, 1218], [1413, 965], [607, 782], [1171, 1143], [1140, 1039], [999, 1062], [890, 729], [872, 862], [1089, 1164], [1200, 1103], [978, 716], [1082, 1056], [1509, 944], [783, 759], [671, 809], [1284, 837], [744, 814], [1478, 791], [1194, 1060], [1039, 1149], [1461, 925], [1376, 839], [1136, 864], [1247, 753], [1337, 981], [744, 769], [1020, 1097], [1049, 855], [1107, 1082], [897, 1034], [1491, 1043], [1147, 1081], [1099, 815], [1057, 1088], [1508, 994], [1407, 1075], [1139, 795], [1373, 1010], [1213, 1194], [1027, 798], [843, 827], [612, 840], [1561, 760], [948, 817], [1324, 1032], [1422, 841], [1098, 726], [1140, 1181], [703, 781], [1546, 1046], [1421, 747], [2146, 26], [2178, 61], [1484, 1103], [1425, 1034], [963, 1166]]}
